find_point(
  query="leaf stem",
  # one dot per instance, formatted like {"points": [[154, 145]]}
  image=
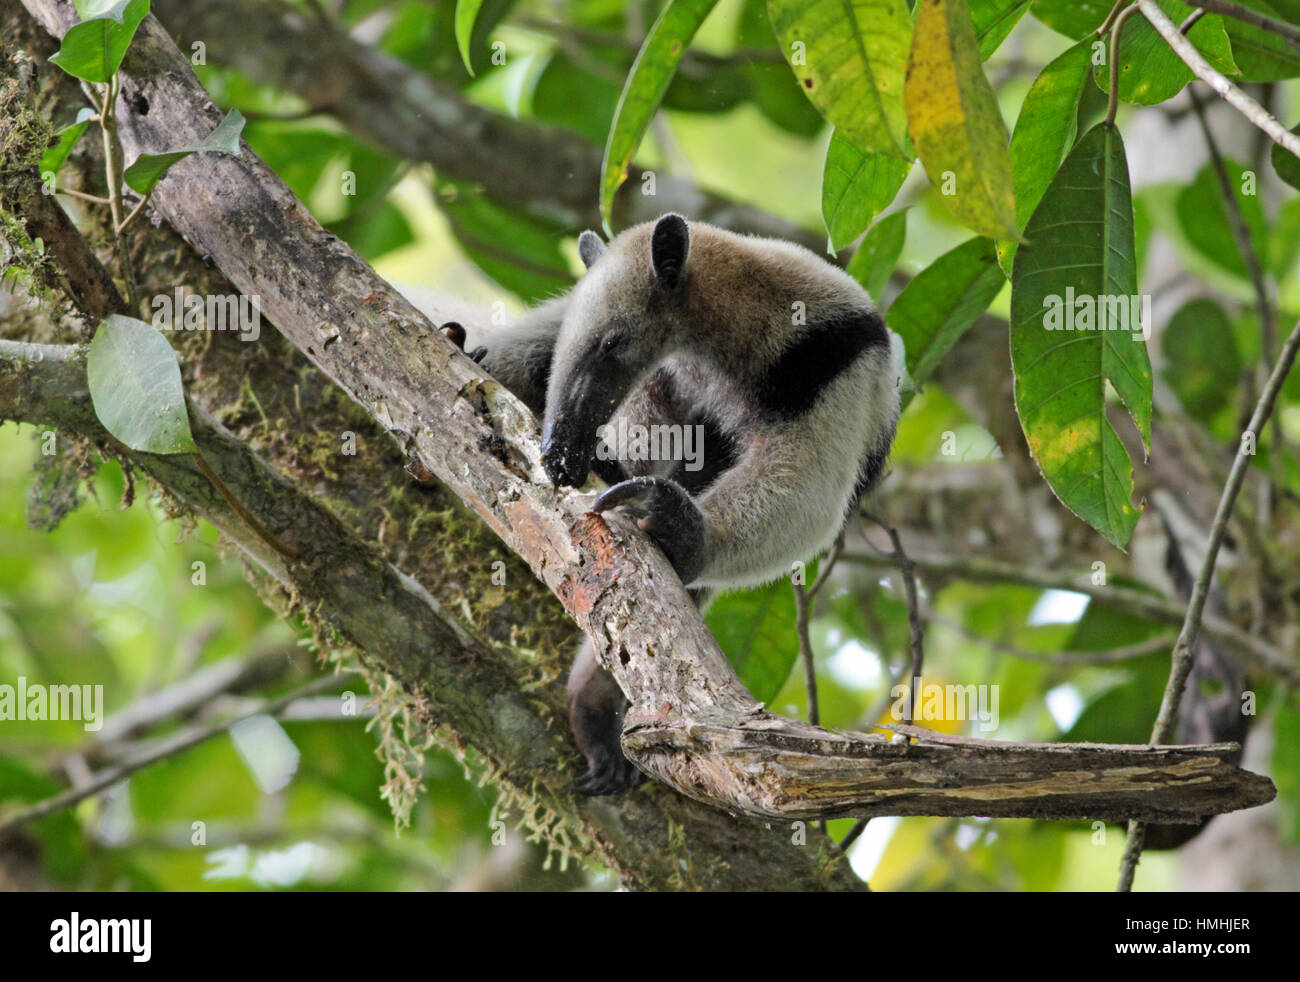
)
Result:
{"points": [[1112, 95]]}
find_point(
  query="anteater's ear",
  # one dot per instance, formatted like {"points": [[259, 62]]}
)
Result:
{"points": [[590, 247], [669, 246]]}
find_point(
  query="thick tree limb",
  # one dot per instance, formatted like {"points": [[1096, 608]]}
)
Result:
{"points": [[692, 724], [518, 731], [540, 169]]}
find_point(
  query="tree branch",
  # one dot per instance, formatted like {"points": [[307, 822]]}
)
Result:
{"points": [[692, 724], [540, 169], [1202, 69], [1247, 16]]}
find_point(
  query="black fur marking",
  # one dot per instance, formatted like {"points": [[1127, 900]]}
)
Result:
{"points": [[793, 383]]}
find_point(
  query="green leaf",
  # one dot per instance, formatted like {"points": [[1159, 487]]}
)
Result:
{"points": [[1202, 364], [1203, 217], [1045, 130], [135, 386], [520, 252], [776, 92], [850, 57], [874, 262], [150, 168], [994, 20], [1073, 18], [756, 630], [1261, 55], [953, 117], [1285, 163], [54, 157], [466, 14], [1149, 70], [644, 90], [856, 187], [942, 301], [1080, 245], [93, 49]]}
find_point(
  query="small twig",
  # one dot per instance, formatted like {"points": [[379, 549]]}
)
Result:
{"points": [[1183, 656], [113, 174], [1248, 107], [83, 196], [134, 211], [179, 744], [286, 550], [1289, 32], [803, 602], [851, 836], [908, 569]]}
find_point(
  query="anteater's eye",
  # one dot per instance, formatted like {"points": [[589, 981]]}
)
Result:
{"points": [[612, 342]]}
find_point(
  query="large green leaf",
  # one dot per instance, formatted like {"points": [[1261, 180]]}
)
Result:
{"points": [[850, 57], [856, 187], [942, 301], [1149, 70], [1045, 130], [135, 386], [644, 90], [1080, 246], [149, 168], [876, 258], [1263, 56], [93, 49], [994, 20], [1202, 364], [1203, 217], [756, 630], [54, 157], [953, 118]]}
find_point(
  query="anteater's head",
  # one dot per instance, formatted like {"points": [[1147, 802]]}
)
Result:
{"points": [[625, 315]]}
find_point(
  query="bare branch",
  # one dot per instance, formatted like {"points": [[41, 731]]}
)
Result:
{"points": [[1202, 69], [1184, 648]]}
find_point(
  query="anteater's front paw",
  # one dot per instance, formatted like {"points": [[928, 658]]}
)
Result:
{"points": [[608, 773], [663, 509]]}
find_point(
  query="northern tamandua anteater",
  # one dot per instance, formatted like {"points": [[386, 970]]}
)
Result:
{"points": [[776, 358]]}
